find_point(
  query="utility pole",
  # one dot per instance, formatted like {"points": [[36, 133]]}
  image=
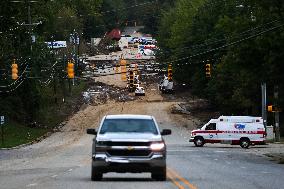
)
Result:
{"points": [[29, 15], [54, 76], [29, 24], [264, 104], [55, 88], [62, 76], [276, 114], [75, 41]]}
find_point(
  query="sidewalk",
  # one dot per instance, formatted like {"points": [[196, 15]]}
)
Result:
{"points": [[272, 150]]}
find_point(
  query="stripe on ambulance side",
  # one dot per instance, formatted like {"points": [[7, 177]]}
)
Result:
{"points": [[212, 131], [237, 132], [234, 142]]}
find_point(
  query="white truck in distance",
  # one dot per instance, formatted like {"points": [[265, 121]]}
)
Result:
{"points": [[235, 130], [166, 86]]}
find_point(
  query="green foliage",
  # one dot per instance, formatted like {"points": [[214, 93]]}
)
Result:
{"points": [[21, 100], [207, 33], [16, 134]]}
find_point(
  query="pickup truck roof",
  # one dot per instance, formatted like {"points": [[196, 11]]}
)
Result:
{"points": [[128, 116]]}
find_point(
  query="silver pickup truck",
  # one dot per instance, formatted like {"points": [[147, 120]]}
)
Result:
{"points": [[128, 143]]}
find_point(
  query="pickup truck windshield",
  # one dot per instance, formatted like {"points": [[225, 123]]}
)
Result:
{"points": [[129, 126]]}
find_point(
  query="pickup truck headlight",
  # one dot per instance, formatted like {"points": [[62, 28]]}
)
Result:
{"points": [[157, 146]]}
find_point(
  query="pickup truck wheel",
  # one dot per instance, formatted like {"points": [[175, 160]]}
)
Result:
{"points": [[199, 141], [161, 175], [96, 175], [244, 142]]}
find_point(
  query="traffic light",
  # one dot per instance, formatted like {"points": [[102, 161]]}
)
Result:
{"points": [[123, 62], [271, 108], [70, 70], [131, 80], [136, 69], [123, 69], [116, 68], [170, 72], [14, 70], [208, 70]]}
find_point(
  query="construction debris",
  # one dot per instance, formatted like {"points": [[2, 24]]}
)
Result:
{"points": [[100, 93]]}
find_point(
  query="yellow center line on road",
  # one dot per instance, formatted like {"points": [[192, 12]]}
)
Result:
{"points": [[171, 177], [186, 182]]}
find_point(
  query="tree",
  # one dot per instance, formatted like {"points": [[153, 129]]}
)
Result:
{"points": [[242, 40]]}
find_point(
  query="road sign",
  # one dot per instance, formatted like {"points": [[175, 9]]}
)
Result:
{"points": [[2, 120], [57, 44]]}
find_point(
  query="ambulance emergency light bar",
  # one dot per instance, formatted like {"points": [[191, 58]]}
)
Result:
{"points": [[240, 119]]}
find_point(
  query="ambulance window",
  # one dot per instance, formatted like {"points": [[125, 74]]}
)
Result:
{"points": [[211, 126]]}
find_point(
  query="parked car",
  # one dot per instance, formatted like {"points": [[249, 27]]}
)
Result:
{"points": [[128, 143]]}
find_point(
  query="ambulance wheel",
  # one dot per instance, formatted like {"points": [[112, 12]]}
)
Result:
{"points": [[244, 142], [199, 141]]}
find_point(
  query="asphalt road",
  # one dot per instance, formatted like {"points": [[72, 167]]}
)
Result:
{"points": [[210, 167]]}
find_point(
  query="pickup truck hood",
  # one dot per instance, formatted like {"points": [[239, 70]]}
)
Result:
{"points": [[135, 137]]}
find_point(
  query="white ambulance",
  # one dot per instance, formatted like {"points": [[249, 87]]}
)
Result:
{"points": [[235, 130]]}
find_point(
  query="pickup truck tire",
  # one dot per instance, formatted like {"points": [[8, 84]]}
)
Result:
{"points": [[199, 141], [96, 175], [160, 175], [244, 142]]}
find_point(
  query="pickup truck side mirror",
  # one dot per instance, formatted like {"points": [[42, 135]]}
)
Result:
{"points": [[166, 132], [92, 131]]}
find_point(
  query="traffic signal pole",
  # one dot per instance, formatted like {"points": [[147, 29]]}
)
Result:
{"points": [[69, 84], [264, 103], [276, 114]]}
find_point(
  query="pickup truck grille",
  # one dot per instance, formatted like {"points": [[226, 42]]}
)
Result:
{"points": [[131, 153], [110, 143]]}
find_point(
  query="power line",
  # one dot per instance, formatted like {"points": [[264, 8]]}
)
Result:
{"points": [[104, 12], [211, 50], [188, 57], [14, 88], [16, 79], [227, 45], [223, 39], [133, 6]]}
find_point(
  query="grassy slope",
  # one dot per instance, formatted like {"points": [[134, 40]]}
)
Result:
{"points": [[16, 134], [50, 115]]}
